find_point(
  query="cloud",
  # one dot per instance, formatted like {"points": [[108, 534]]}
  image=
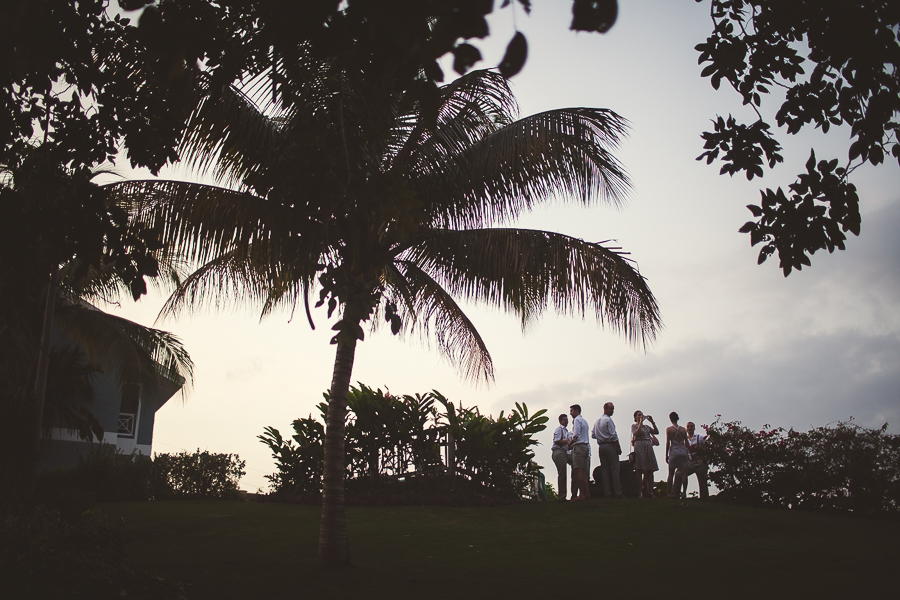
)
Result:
{"points": [[809, 382]]}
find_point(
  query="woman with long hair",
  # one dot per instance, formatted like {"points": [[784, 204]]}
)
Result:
{"points": [[677, 455]]}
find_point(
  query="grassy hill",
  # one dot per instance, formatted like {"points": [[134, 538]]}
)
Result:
{"points": [[604, 548]]}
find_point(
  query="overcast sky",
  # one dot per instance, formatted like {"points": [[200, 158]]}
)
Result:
{"points": [[739, 339]]}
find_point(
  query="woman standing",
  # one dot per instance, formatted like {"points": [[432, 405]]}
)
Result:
{"points": [[644, 456], [677, 455]]}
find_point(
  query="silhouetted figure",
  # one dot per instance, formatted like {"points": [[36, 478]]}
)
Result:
{"points": [[562, 456], [645, 464], [697, 464], [581, 458], [677, 456], [608, 452]]}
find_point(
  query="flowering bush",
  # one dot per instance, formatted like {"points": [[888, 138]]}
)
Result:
{"points": [[845, 467]]}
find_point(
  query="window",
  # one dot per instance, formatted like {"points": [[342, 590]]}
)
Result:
{"points": [[128, 412]]}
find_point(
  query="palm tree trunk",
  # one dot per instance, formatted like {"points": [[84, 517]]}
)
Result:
{"points": [[40, 383], [334, 547]]}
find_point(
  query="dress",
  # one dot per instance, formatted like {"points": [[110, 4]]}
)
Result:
{"points": [[678, 452], [644, 456]]}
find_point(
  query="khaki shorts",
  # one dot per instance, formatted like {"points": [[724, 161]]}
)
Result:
{"points": [[580, 457]]}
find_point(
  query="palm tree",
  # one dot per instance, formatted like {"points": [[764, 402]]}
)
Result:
{"points": [[49, 275], [392, 208]]}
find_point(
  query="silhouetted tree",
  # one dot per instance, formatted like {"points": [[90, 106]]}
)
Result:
{"points": [[344, 185], [838, 63]]}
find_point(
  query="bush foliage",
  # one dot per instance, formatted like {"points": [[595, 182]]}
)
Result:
{"points": [[412, 448], [105, 474], [843, 468], [196, 475]]}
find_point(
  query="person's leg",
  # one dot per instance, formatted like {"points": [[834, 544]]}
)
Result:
{"points": [[581, 464], [614, 471], [586, 475], [605, 470], [562, 476], [574, 481], [701, 480], [671, 476], [648, 484], [679, 478]]}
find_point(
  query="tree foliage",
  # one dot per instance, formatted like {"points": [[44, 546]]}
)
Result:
{"points": [[348, 181], [404, 436], [838, 64], [844, 468]]}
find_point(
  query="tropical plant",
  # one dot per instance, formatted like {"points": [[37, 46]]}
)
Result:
{"points": [[298, 463], [389, 437], [62, 246], [390, 208], [843, 467], [495, 453]]}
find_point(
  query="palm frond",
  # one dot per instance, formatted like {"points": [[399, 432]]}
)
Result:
{"points": [[470, 107], [526, 271], [229, 135], [127, 351], [564, 154], [245, 275], [198, 222], [424, 305]]}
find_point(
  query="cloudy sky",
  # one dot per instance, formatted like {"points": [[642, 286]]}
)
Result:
{"points": [[739, 340]]}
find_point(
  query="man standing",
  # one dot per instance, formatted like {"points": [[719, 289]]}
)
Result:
{"points": [[561, 456], [697, 465], [608, 451], [581, 460]]}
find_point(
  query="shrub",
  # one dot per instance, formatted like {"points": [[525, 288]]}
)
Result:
{"points": [[102, 474], [45, 555], [196, 475], [401, 437], [843, 468]]}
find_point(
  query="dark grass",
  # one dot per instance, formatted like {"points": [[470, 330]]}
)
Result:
{"points": [[606, 549]]}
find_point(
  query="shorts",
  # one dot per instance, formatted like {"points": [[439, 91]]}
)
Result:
{"points": [[580, 457]]}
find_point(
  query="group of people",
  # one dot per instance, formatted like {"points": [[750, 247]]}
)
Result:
{"points": [[573, 448]]}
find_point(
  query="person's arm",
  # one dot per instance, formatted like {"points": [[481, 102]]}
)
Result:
{"points": [[558, 441], [655, 430], [614, 433], [668, 441]]}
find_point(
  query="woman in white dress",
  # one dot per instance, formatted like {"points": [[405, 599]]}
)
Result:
{"points": [[677, 455]]}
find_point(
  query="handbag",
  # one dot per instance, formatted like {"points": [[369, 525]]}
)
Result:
{"points": [[631, 457], [654, 440]]}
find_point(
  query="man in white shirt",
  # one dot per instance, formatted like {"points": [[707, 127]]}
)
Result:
{"points": [[608, 451], [697, 465], [562, 456], [581, 458]]}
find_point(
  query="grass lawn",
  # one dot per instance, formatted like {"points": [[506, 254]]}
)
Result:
{"points": [[600, 549]]}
